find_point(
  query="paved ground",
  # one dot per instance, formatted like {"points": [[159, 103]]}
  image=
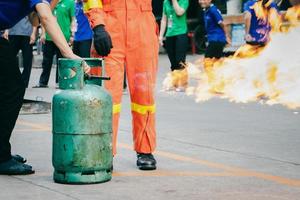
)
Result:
{"points": [[214, 150]]}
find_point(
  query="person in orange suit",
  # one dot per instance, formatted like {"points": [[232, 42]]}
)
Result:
{"points": [[125, 33]]}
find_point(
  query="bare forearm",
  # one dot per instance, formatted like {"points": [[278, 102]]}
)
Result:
{"points": [[247, 17], [34, 30], [223, 26], [73, 26], [50, 24], [33, 35], [163, 26], [43, 30], [178, 10], [33, 18]]}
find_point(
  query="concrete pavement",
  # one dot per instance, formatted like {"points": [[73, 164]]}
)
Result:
{"points": [[213, 150]]}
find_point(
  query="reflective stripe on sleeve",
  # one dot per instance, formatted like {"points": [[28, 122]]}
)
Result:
{"points": [[89, 4]]}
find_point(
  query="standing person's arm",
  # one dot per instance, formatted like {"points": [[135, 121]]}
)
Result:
{"points": [[43, 35], [223, 26], [33, 35], [247, 17], [163, 27], [73, 30], [219, 19], [179, 9], [95, 14], [73, 22], [50, 24]]}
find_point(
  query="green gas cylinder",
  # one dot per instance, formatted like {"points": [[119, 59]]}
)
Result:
{"points": [[82, 125]]}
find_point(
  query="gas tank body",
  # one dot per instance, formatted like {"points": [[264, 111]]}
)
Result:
{"points": [[82, 127]]}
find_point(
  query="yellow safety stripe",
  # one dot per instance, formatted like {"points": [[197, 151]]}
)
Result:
{"points": [[116, 108], [89, 4], [141, 109]]}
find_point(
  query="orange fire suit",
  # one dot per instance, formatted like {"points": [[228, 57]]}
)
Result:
{"points": [[133, 31]]}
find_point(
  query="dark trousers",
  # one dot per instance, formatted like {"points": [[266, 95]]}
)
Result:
{"points": [[214, 50], [19, 42], [49, 50], [12, 91], [82, 48], [176, 47]]}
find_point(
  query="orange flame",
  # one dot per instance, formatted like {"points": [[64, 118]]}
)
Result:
{"points": [[270, 73]]}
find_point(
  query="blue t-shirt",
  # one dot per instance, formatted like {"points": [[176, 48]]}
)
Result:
{"points": [[84, 31], [12, 11], [212, 19], [259, 28]]}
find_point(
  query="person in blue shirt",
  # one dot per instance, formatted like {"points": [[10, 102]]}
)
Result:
{"points": [[215, 29], [258, 28], [12, 86], [84, 34]]}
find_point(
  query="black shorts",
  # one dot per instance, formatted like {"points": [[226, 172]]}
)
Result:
{"points": [[215, 50]]}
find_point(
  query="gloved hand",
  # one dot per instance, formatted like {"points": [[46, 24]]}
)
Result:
{"points": [[102, 40]]}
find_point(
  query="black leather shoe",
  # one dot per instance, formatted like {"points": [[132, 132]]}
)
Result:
{"points": [[19, 158], [13, 167], [146, 161]]}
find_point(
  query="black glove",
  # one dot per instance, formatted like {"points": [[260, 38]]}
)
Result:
{"points": [[102, 41]]}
